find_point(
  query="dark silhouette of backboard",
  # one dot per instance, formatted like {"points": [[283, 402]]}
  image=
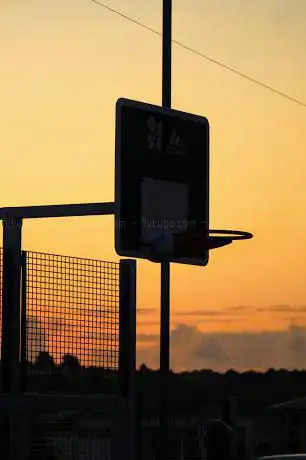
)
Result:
{"points": [[162, 181]]}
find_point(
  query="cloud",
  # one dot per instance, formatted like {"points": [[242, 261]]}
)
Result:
{"points": [[147, 338], [200, 313], [194, 349], [146, 311], [215, 321], [210, 312], [240, 308], [282, 309], [212, 350], [149, 323]]}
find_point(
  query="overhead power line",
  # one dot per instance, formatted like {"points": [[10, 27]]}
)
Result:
{"points": [[203, 56]]}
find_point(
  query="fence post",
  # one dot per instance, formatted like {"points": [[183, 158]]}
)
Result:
{"points": [[10, 346], [23, 325], [127, 346]]}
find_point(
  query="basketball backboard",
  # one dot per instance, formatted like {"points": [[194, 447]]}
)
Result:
{"points": [[162, 177]]}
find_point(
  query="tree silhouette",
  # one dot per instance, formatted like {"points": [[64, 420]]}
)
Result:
{"points": [[44, 362], [71, 364], [144, 368]]}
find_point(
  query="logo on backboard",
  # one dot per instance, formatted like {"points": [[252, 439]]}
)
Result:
{"points": [[155, 134], [175, 146], [155, 139]]}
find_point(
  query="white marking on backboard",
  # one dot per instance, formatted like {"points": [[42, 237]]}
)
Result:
{"points": [[155, 134], [175, 145], [164, 208]]}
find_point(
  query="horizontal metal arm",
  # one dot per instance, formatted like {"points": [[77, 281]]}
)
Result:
{"points": [[58, 210]]}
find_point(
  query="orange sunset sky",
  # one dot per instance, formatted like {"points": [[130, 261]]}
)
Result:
{"points": [[64, 63]]}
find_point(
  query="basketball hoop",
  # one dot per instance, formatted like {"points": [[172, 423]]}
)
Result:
{"points": [[191, 243]]}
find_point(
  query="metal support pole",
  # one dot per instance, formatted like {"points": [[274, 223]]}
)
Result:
{"points": [[127, 347], [10, 347], [167, 59], [164, 357], [23, 324], [165, 266]]}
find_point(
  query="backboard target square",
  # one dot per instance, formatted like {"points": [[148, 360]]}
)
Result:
{"points": [[161, 176], [164, 207]]}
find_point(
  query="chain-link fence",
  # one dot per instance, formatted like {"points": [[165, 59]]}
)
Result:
{"points": [[58, 427], [186, 439], [71, 323], [71, 337]]}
